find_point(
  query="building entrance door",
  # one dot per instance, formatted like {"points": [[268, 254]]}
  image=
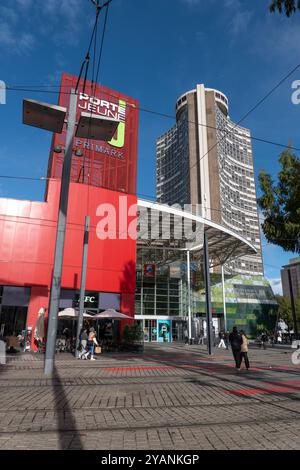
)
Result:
{"points": [[150, 330]]}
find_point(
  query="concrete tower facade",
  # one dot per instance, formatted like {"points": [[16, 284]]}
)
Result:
{"points": [[206, 160]]}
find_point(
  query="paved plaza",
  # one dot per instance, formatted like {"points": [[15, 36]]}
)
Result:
{"points": [[170, 397]]}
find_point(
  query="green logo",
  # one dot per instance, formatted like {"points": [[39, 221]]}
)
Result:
{"points": [[120, 139]]}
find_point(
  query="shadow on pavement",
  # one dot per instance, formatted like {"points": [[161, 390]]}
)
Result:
{"points": [[228, 375], [69, 436]]}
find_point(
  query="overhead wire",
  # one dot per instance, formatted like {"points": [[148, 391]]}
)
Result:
{"points": [[44, 178], [169, 116], [93, 37]]}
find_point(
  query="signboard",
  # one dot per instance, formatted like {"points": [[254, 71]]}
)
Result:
{"points": [[91, 299], [149, 270], [164, 331], [109, 164], [175, 271]]}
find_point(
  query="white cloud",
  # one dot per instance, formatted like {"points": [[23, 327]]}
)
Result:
{"points": [[24, 3], [240, 17], [24, 20], [240, 22], [12, 42], [261, 217], [276, 285], [8, 14]]}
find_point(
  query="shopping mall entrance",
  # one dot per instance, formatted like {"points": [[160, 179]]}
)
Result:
{"points": [[162, 330]]}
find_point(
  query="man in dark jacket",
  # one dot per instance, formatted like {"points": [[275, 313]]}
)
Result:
{"points": [[235, 340]]}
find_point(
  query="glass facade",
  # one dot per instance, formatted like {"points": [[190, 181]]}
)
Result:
{"points": [[162, 294]]}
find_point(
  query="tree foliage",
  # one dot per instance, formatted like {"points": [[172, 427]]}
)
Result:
{"points": [[132, 333], [285, 310], [289, 7], [280, 203]]}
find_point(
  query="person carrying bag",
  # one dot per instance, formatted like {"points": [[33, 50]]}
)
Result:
{"points": [[91, 343], [244, 349]]}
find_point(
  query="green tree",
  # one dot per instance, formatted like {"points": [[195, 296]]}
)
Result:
{"points": [[288, 6], [132, 333], [280, 203], [285, 310]]}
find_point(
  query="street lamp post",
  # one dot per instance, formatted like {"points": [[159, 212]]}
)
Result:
{"points": [[293, 304], [60, 239], [189, 294], [224, 299], [91, 126], [83, 279], [210, 344]]}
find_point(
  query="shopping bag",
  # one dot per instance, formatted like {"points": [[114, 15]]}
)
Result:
{"points": [[98, 350]]}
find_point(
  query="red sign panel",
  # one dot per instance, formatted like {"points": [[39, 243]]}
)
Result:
{"points": [[111, 164], [149, 270]]}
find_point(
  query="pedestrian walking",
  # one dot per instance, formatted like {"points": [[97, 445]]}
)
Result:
{"points": [[222, 340], [227, 339], [67, 335], [235, 340], [83, 338], [201, 337], [244, 349], [186, 336], [214, 336], [264, 339], [279, 337], [91, 342]]}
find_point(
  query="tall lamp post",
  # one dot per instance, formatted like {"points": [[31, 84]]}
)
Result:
{"points": [[293, 304], [83, 280], [224, 298], [189, 295], [91, 126], [209, 322]]}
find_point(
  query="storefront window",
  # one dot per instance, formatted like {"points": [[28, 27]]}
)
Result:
{"points": [[13, 309]]}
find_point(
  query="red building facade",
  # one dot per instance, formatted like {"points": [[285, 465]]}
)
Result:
{"points": [[104, 175]]}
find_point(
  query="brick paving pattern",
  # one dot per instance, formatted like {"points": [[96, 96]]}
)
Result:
{"points": [[169, 398]]}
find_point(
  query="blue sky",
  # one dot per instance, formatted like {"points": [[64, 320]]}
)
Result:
{"points": [[154, 51]]}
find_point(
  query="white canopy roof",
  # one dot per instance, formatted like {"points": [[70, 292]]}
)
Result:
{"points": [[158, 219]]}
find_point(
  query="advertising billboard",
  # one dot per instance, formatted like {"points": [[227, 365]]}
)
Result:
{"points": [[164, 331], [112, 164]]}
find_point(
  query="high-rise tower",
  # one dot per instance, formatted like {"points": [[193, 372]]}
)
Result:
{"points": [[206, 159]]}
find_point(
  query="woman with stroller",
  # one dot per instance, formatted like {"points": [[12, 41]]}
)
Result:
{"points": [[83, 337]]}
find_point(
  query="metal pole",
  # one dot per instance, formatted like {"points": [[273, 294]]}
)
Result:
{"points": [[83, 278], [293, 304], [224, 299], [60, 239], [188, 269], [207, 296]]}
